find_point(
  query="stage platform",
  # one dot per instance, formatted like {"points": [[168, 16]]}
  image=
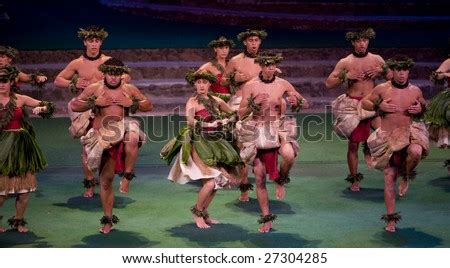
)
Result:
{"points": [[319, 210]]}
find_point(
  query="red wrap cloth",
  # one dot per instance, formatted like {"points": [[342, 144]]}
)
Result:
{"points": [[117, 152], [398, 159], [362, 131], [204, 114], [269, 158], [16, 119], [218, 88]]}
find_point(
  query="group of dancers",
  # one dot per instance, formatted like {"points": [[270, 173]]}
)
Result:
{"points": [[237, 118]]}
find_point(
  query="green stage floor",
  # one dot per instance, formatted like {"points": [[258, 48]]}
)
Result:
{"points": [[318, 211]]}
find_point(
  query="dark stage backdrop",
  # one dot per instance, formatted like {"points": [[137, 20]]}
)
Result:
{"points": [[50, 25]]}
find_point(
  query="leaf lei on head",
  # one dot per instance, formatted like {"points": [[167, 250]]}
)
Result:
{"points": [[193, 76], [100, 34], [268, 58], [113, 70], [395, 65], [221, 42], [9, 72], [262, 34], [368, 34], [9, 51]]}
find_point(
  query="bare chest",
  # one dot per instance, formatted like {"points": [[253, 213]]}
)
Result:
{"points": [[274, 89], [88, 70], [248, 66], [403, 98], [362, 64]]}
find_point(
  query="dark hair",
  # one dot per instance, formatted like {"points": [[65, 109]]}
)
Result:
{"points": [[114, 62]]}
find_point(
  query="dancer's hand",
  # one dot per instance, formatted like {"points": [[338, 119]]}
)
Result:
{"points": [[123, 101], [262, 98], [224, 121], [386, 106], [215, 123], [241, 76], [39, 109], [102, 101], [354, 75], [82, 83], [415, 108], [292, 100], [41, 78], [373, 72]]}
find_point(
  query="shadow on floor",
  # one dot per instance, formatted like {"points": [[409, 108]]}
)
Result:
{"points": [[116, 239], [375, 195], [222, 233], [12, 238], [93, 204], [408, 238], [443, 182]]}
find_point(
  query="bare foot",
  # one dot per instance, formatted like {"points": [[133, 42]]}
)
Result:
{"points": [[22, 229], [355, 187], [200, 222], [265, 227], [89, 185], [89, 193], [106, 228], [2, 230], [124, 185], [403, 187], [18, 224], [244, 197], [210, 221], [390, 227], [280, 192]]}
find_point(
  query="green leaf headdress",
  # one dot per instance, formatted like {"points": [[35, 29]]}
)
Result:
{"points": [[92, 32], [221, 42], [8, 73], [400, 62], [193, 76], [267, 58], [114, 67], [368, 33], [8, 51], [262, 34]]}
